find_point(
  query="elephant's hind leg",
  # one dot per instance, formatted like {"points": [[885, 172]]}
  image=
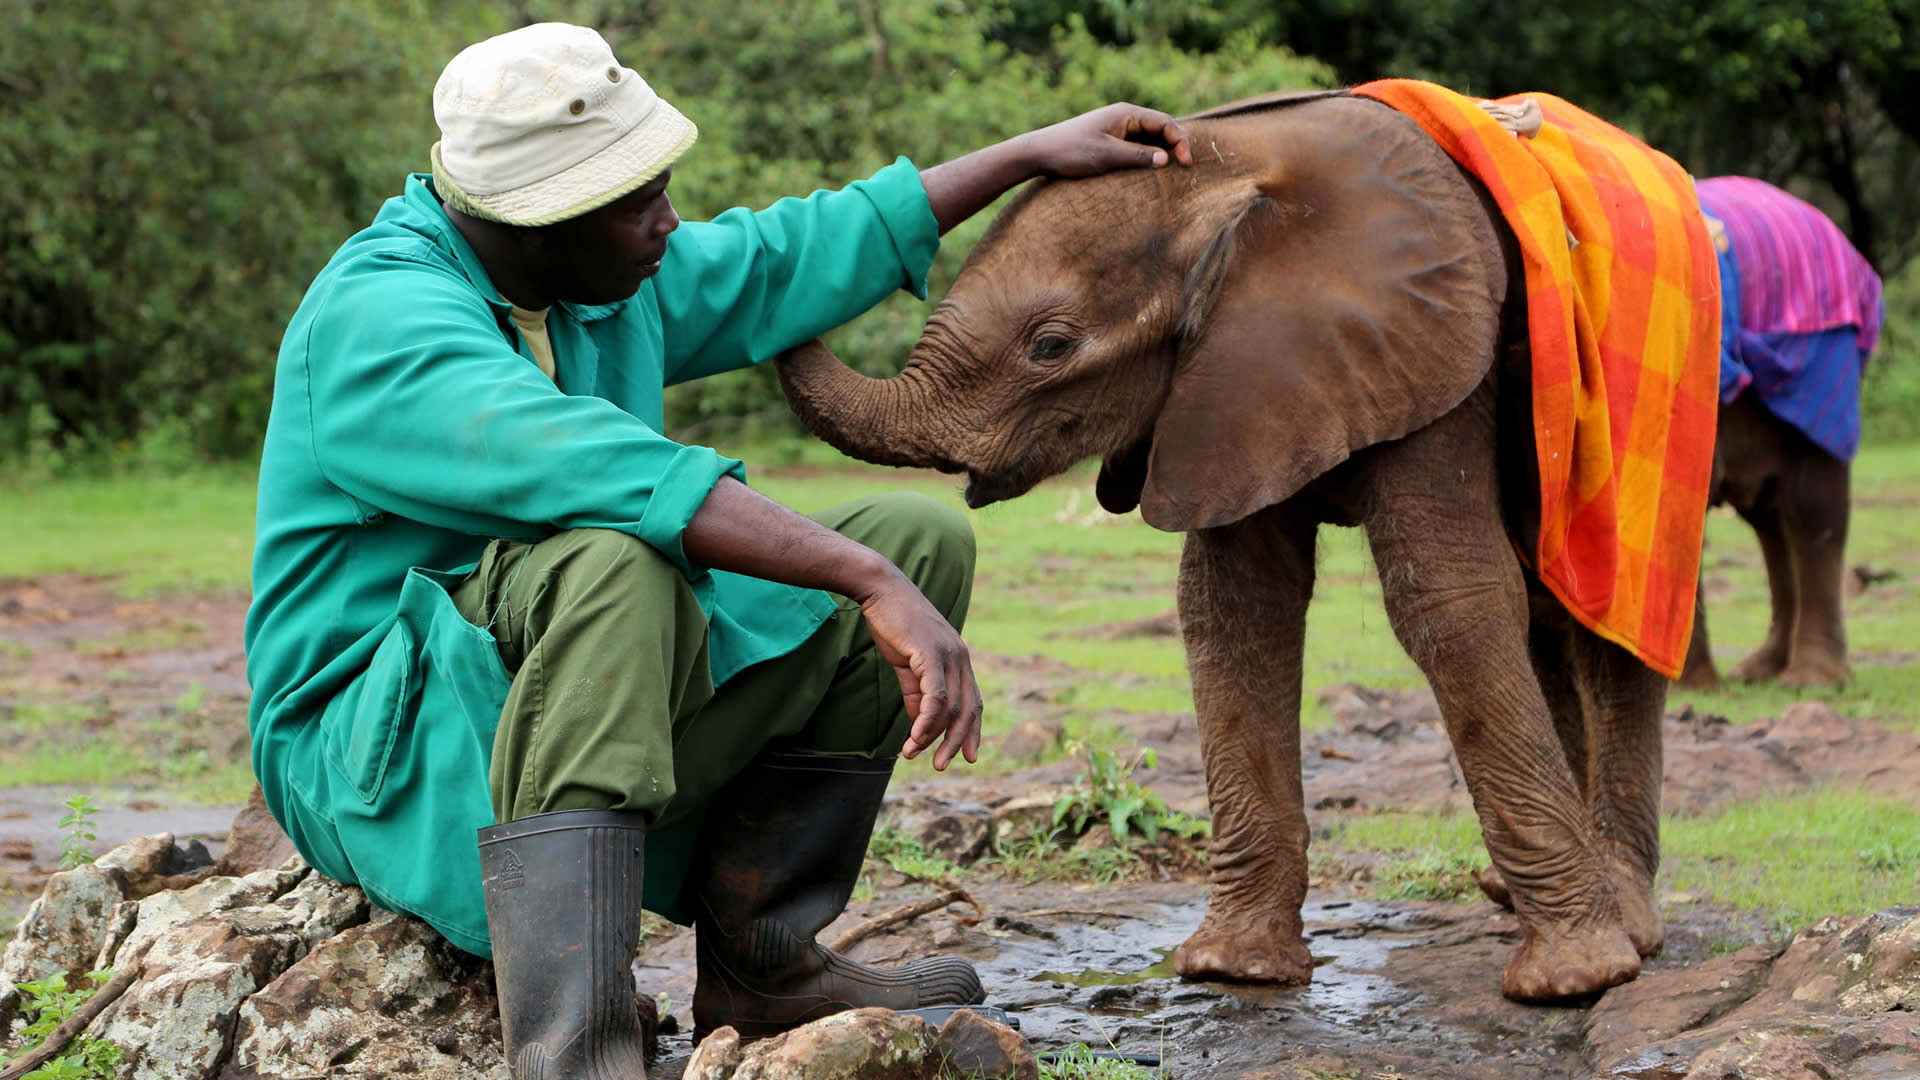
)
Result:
{"points": [[1815, 515], [1623, 701], [1551, 652], [1243, 591], [1457, 600]]}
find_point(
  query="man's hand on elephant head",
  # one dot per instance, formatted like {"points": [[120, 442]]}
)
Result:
{"points": [[1118, 136], [935, 671]]}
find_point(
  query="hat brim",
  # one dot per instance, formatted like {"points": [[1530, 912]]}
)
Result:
{"points": [[629, 163]]}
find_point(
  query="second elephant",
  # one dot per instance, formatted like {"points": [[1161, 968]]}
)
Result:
{"points": [[1801, 311]]}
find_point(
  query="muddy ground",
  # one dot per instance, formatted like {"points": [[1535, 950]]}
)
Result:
{"points": [[1405, 989]]}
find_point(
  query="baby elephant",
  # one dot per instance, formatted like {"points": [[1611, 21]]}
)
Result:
{"points": [[1321, 322]]}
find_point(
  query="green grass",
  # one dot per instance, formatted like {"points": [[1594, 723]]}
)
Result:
{"points": [[1799, 857], [1050, 569], [1794, 857], [154, 531]]}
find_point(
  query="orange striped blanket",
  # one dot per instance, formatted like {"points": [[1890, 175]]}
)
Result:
{"points": [[1625, 329]]}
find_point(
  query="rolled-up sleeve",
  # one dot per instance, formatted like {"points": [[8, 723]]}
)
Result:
{"points": [[421, 409], [746, 286]]}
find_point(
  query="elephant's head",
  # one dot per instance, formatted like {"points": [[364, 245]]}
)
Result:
{"points": [[1324, 278]]}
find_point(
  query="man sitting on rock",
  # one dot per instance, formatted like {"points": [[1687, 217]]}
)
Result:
{"points": [[487, 589]]}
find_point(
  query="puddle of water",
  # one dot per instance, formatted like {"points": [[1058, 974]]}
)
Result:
{"points": [[1160, 969], [1113, 987]]}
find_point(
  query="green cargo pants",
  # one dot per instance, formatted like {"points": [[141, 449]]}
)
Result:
{"points": [[612, 706]]}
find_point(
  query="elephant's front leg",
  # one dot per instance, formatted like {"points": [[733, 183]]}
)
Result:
{"points": [[1243, 611]]}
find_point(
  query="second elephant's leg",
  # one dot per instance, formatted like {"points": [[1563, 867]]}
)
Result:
{"points": [[1622, 701], [1456, 598], [1771, 657], [1815, 510], [1698, 672], [1243, 608]]}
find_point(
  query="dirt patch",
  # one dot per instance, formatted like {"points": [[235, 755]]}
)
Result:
{"points": [[1389, 751], [157, 688]]}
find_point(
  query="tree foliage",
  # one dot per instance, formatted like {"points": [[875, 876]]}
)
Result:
{"points": [[175, 174], [1819, 96]]}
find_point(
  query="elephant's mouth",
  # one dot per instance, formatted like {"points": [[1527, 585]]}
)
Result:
{"points": [[985, 489]]}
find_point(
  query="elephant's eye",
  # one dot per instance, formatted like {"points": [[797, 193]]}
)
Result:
{"points": [[1052, 347]]}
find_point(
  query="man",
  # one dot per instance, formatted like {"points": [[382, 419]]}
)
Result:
{"points": [[490, 595]]}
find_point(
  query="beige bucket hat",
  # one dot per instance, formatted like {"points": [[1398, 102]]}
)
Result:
{"points": [[542, 124]]}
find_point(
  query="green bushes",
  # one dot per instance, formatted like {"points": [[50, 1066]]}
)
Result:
{"points": [[177, 174]]}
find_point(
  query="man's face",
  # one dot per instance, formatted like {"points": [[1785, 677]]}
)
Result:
{"points": [[602, 257]]}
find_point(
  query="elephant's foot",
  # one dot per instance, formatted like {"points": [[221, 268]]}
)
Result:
{"points": [[1259, 949], [1495, 887], [1701, 676], [1766, 662], [1815, 673], [1562, 964], [1638, 912]]}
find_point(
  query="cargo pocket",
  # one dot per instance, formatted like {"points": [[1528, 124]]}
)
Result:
{"points": [[360, 745]]}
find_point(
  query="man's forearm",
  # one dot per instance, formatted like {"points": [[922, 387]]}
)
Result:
{"points": [[961, 188], [740, 530]]}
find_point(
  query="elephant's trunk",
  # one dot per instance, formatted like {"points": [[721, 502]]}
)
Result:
{"points": [[884, 421]]}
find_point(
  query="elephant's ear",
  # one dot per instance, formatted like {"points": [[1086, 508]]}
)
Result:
{"points": [[1349, 299]]}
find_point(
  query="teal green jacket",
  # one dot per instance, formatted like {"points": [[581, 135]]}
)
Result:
{"points": [[410, 426]]}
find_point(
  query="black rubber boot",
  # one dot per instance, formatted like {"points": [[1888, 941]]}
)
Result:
{"points": [[782, 848], [563, 910]]}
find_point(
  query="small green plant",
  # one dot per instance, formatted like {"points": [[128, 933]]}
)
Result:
{"points": [[80, 835], [45, 1003], [1078, 1062], [1039, 855], [907, 855], [1434, 874], [1106, 792]]}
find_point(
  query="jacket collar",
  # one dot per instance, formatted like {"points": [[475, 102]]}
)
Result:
{"points": [[423, 203]]}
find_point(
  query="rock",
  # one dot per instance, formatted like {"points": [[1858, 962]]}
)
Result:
{"points": [[1833, 1003], [66, 926], [1020, 817], [164, 910], [387, 998], [256, 841], [969, 1046], [177, 1020], [716, 1058], [1031, 739], [864, 1044], [1095, 838], [144, 860], [1657, 1007], [959, 831]]}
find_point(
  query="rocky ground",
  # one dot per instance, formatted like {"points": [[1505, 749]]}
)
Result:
{"points": [[277, 972]]}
